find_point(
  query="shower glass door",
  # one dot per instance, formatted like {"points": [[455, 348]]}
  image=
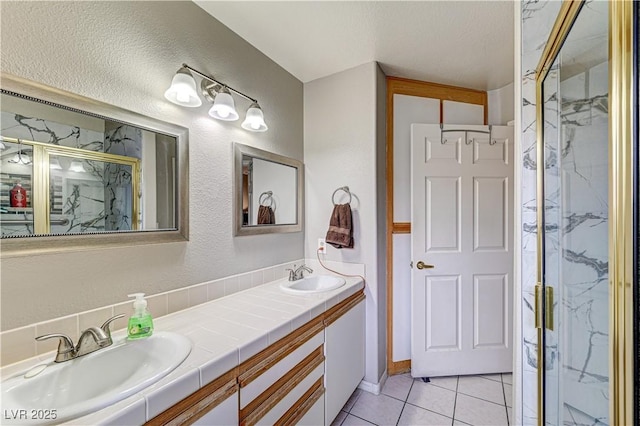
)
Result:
{"points": [[575, 182]]}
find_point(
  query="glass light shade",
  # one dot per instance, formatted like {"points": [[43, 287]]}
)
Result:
{"points": [[224, 108], [22, 158], [254, 120], [54, 164], [77, 166], [183, 90]]}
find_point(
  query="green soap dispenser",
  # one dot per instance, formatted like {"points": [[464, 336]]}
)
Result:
{"points": [[140, 323]]}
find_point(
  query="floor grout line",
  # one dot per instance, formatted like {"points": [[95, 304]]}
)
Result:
{"points": [[506, 410], [453, 418]]}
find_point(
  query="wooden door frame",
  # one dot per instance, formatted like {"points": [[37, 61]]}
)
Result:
{"points": [[403, 86]]}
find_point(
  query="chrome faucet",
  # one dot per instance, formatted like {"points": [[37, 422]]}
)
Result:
{"points": [[90, 340], [298, 274]]}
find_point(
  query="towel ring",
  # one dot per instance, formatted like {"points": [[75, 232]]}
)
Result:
{"points": [[268, 195], [343, 188]]}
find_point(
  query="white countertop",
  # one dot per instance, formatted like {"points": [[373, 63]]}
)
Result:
{"points": [[224, 332]]}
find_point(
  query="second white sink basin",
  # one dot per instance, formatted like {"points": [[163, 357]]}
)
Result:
{"points": [[89, 383], [312, 284]]}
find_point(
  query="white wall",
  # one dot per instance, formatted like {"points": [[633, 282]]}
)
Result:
{"points": [[125, 54], [501, 107], [343, 143], [281, 181]]}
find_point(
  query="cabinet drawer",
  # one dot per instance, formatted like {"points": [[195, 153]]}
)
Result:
{"points": [[225, 414], [262, 382], [273, 416], [279, 398]]}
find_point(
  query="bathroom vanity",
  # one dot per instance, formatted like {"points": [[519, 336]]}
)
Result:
{"points": [[303, 378], [260, 356]]}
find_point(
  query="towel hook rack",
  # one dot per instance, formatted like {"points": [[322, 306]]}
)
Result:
{"points": [[342, 188], [266, 195]]}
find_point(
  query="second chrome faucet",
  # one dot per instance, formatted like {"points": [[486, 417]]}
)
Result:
{"points": [[298, 273], [90, 340]]}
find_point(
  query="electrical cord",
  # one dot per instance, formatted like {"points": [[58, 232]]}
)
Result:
{"points": [[336, 272]]}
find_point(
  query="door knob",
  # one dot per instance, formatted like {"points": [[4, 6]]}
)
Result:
{"points": [[422, 265]]}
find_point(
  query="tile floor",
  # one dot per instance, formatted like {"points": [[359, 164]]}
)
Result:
{"points": [[457, 400]]}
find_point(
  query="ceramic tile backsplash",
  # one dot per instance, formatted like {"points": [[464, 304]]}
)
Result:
{"points": [[215, 290], [158, 305], [178, 300], [66, 325], [94, 318], [19, 344], [197, 294]]}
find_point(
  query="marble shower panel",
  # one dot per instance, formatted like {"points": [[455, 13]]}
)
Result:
{"points": [[120, 140], [537, 20]]}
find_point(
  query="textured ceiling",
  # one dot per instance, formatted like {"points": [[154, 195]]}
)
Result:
{"points": [[463, 43]]}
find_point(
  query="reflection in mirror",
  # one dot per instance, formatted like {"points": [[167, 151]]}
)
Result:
{"points": [[93, 187], [268, 192], [70, 166]]}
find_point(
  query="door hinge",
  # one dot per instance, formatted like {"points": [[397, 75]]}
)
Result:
{"points": [[548, 307]]}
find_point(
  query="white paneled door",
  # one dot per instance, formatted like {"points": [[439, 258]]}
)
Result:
{"points": [[462, 250]]}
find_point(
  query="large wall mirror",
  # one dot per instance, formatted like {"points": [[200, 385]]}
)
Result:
{"points": [[268, 192], [76, 173]]}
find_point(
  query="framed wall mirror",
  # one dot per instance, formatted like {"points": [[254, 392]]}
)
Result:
{"points": [[268, 192], [76, 173]]}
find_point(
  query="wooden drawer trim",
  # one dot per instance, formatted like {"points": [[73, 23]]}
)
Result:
{"points": [[342, 308], [264, 360], [300, 408], [260, 406], [199, 403]]}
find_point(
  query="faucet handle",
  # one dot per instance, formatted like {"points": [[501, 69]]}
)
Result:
{"points": [[105, 326], [292, 273], [65, 346]]}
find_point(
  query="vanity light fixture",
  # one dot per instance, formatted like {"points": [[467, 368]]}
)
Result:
{"points": [[21, 158], [183, 92], [77, 166], [54, 164]]}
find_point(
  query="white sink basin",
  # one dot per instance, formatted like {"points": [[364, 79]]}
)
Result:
{"points": [[91, 382], [312, 284]]}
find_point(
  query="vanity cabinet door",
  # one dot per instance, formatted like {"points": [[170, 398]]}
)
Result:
{"points": [[344, 357], [225, 414]]}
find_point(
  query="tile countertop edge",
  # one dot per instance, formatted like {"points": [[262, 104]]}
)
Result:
{"points": [[216, 349]]}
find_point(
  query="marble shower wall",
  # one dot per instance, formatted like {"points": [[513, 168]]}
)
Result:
{"points": [[576, 231], [582, 164], [98, 199], [125, 140], [537, 20], [73, 196]]}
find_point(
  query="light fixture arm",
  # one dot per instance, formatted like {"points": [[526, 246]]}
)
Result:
{"points": [[237, 92]]}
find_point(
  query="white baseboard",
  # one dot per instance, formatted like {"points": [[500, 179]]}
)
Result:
{"points": [[374, 388]]}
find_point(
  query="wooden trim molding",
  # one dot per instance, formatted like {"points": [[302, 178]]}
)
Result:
{"points": [[196, 405], [403, 86], [401, 228], [342, 308], [302, 405], [268, 399], [264, 360], [399, 367]]}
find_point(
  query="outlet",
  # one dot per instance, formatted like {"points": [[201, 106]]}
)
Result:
{"points": [[322, 246]]}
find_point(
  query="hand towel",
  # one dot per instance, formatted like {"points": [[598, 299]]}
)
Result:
{"points": [[340, 233], [266, 216]]}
